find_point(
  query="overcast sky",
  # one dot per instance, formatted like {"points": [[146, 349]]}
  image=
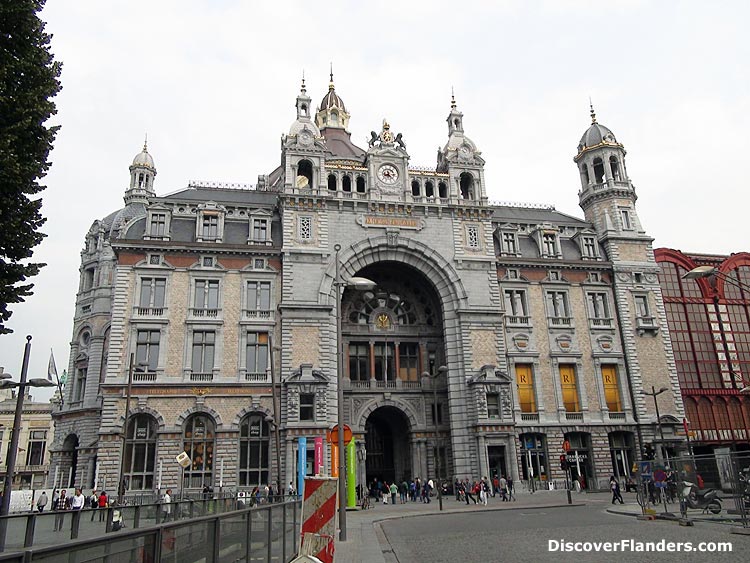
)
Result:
{"points": [[213, 83]]}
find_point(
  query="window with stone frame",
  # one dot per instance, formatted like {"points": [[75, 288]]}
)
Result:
{"points": [[557, 307], [509, 243], [256, 353], [359, 361], [258, 303], [598, 305], [526, 391], [307, 407], [642, 310], [408, 367], [439, 413], [147, 349], [569, 388], [79, 384], [206, 298], [516, 311], [493, 405], [36, 447], [611, 388], [304, 227], [210, 226], [203, 352], [158, 225], [588, 247], [260, 230], [626, 219], [152, 294], [549, 244], [199, 444]]}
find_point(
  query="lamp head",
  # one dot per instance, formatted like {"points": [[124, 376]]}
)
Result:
{"points": [[361, 284], [699, 272], [40, 382]]}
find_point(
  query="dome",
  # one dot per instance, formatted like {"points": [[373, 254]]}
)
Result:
{"points": [[596, 135], [332, 100], [144, 159]]}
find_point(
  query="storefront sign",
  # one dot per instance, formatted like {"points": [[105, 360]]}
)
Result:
{"points": [[390, 221]]}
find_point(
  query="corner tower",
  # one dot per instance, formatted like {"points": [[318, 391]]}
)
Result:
{"points": [[461, 160], [608, 197]]}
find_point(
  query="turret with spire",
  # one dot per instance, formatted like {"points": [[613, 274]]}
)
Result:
{"points": [[142, 174]]}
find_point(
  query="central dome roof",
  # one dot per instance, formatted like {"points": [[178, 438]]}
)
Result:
{"points": [[332, 99], [596, 135], [144, 159]]}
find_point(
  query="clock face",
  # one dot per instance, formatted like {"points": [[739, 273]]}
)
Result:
{"points": [[388, 174], [305, 137], [464, 151]]}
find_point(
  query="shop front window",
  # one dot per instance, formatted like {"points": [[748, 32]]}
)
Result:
{"points": [[534, 457]]}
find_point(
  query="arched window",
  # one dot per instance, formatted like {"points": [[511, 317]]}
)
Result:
{"points": [[140, 452], [198, 443], [429, 189], [254, 451], [706, 419], [332, 182], [598, 170], [304, 171], [334, 119], [415, 188], [614, 165], [442, 190], [346, 183], [360, 184], [105, 357], [721, 415], [303, 107], [466, 182], [585, 173]]}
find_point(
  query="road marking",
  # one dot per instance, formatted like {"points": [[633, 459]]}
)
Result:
{"points": [[537, 513]]}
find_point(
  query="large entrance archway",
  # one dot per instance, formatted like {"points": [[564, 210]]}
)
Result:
{"points": [[387, 444]]}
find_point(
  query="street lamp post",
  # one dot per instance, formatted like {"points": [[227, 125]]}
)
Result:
{"points": [[16, 431], [434, 378], [654, 393], [362, 284], [276, 418]]}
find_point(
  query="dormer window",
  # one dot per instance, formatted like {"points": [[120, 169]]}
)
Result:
{"points": [[260, 230], [158, 224], [210, 223], [509, 244], [549, 245]]}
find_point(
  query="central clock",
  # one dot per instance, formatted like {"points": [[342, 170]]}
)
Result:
{"points": [[388, 174]]}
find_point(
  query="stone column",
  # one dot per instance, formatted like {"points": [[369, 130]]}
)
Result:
{"points": [[484, 464]]}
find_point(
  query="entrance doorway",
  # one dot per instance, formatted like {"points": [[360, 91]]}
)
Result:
{"points": [[387, 445], [496, 457]]}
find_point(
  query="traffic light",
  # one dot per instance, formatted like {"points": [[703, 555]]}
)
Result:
{"points": [[563, 463]]}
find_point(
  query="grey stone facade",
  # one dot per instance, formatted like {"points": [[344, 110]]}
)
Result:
{"points": [[211, 287]]}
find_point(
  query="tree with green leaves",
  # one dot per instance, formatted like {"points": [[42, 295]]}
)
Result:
{"points": [[29, 79]]}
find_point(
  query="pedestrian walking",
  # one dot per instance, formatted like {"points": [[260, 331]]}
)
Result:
{"points": [[614, 486], [60, 507], [78, 500], [394, 492], [403, 491], [511, 496], [503, 484], [102, 503], [166, 505], [468, 491], [41, 502], [495, 484]]}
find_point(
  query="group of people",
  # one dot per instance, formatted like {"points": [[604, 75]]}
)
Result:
{"points": [[478, 491], [406, 491]]}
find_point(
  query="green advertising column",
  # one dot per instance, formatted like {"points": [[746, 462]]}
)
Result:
{"points": [[351, 474]]}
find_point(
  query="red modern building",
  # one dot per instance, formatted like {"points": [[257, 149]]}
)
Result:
{"points": [[709, 324]]}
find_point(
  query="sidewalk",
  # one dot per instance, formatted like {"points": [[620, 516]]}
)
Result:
{"points": [[366, 542]]}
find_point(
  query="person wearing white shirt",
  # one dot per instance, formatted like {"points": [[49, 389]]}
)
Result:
{"points": [[78, 500]]}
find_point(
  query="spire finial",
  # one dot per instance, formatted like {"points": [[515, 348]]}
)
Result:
{"points": [[453, 99], [145, 142], [593, 115], [330, 85], [303, 89]]}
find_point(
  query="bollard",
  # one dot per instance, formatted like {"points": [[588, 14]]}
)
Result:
{"points": [[137, 517], [74, 525], [28, 540]]}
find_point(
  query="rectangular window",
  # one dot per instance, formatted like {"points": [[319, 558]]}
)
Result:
{"points": [[493, 405], [408, 361], [526, 393], [158, 226], [204, 342], [509, 243], [641, 306], [515, 303], [549, 244], [472, 236], [152, 293], [569, 388], [80, 384], [258, 296], [557, 305], [206, 294], [385, 362], [36, 447], [439, 413], [256, 352], [260, 230], [304, 228], [210, 227], [611, 388], [625, 217], [589, 247], [307, 406], [359, 361], [598, 306], [147, 350]]}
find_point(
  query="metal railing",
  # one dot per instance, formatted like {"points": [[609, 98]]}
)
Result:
{"points": [[265, 533], [42, 529]]}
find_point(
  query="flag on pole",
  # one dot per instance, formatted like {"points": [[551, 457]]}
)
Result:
{"points": [[52, 368]]}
